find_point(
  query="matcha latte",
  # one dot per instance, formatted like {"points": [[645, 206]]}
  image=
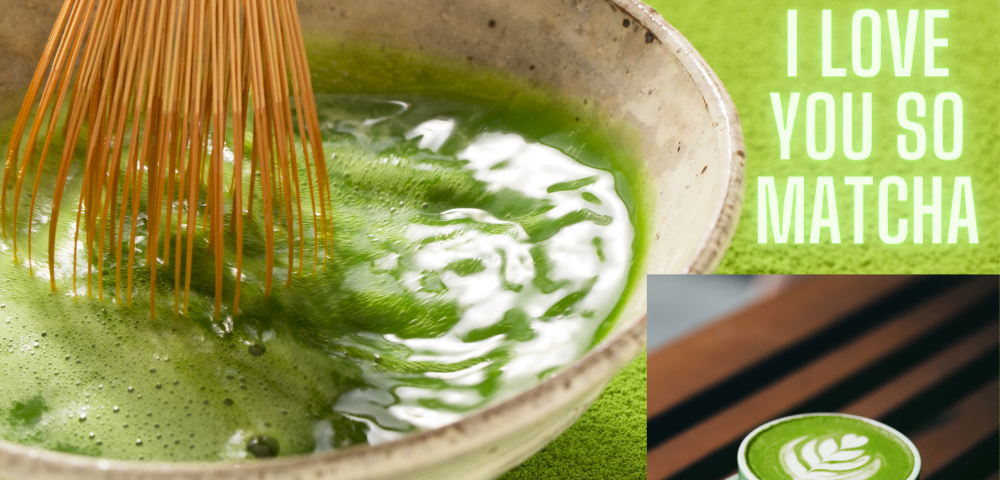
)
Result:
{"points": [[485, 234], [827, 446]]}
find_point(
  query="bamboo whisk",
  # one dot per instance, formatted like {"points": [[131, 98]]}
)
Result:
{"points": [[169, 78]]}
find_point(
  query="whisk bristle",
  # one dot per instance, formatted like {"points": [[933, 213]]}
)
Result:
{"points": [[169, 79]]}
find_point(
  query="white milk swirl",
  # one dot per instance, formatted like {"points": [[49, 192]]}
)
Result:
{"points": [[829, 460]]}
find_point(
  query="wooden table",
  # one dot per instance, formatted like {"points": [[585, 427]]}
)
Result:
{"points": [[918, 353]]}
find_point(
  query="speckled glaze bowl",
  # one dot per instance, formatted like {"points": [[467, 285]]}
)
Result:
{"points": [[621, 55]]}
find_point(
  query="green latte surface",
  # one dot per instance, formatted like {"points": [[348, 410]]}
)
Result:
{"points": [[834, 447], [485, 232]]}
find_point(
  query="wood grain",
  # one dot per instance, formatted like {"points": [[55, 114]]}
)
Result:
{"points": [[731, 344], [896, 392], [961, 427]]}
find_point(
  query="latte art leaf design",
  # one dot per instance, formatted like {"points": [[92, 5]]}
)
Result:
{"points": [[826, 460]]}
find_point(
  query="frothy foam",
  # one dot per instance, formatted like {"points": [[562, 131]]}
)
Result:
{"points": [[470, 263], [828, 447]]}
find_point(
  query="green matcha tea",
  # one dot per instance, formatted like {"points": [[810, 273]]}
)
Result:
{"points": [[827, 447], [486, 232]]}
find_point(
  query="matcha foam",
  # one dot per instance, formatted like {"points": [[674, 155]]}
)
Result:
{"points": [[481, 244], [828, 447]]}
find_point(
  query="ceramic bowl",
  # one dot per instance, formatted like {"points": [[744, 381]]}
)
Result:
{"points": [[619, 54]]}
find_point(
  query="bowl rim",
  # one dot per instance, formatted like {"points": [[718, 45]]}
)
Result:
{"points": [[586, 373], [729, 134]]}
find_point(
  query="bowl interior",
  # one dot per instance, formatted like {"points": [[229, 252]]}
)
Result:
{"points": [[622, 58]]}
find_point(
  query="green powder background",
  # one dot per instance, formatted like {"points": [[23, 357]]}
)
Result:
{"points": [[608, 442], [745, 43]]}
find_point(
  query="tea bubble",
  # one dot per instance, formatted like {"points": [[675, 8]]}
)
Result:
{"points": [[263, 446]]}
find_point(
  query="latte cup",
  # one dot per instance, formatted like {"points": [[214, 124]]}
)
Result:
{"points": [[827, 446]]}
